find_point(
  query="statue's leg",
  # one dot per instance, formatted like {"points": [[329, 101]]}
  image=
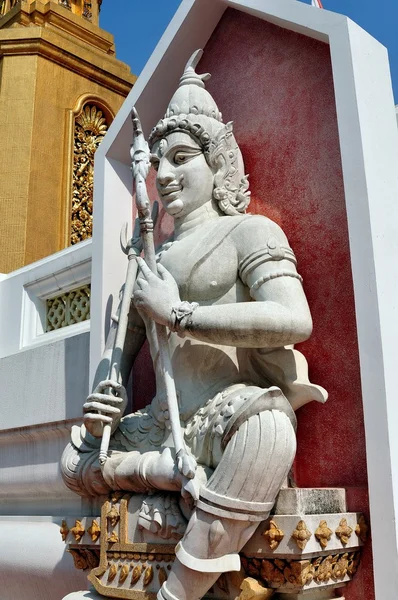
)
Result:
{"points": [[240, 494]]}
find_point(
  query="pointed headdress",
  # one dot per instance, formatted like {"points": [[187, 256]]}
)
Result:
{"points": [[194, 111]]}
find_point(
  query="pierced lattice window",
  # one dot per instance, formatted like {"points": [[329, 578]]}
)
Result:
{"points": [[68, 308], [90, 128]]}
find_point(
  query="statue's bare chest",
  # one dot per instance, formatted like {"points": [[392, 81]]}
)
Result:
{"points": [[202, 273]]}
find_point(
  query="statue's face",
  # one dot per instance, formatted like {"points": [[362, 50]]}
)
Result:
{"points": [[184, 179]]}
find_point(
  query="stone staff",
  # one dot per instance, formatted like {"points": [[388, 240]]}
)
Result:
{"points": [[186, 463], [114, 371]]}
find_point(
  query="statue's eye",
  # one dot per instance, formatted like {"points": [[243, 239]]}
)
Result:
{"points": [[180, 158]]}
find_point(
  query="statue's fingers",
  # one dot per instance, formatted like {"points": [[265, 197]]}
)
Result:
{"points": [[164, 273], [145, 270], [110, 383], [106, 408], [141, 282], [105, 399], [97, 418]]}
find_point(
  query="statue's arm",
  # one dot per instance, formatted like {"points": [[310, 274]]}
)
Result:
{"points": [[279, 315]]}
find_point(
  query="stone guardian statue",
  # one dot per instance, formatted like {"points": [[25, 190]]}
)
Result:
{"points": [[233, 303]]}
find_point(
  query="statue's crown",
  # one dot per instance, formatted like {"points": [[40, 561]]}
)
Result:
{"points": [[191, 96]]}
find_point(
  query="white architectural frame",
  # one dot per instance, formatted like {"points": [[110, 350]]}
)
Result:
{"points": [[369, 151], [23, 294]]}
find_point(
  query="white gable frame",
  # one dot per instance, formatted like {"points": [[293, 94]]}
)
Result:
{"points": [[369, 150]]}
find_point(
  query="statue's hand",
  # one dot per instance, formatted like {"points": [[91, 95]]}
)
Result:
{"points": [[186, 464], [105, 405], [156, 295]]}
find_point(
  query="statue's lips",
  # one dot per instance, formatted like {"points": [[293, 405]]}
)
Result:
{"points": [[171, 193]]}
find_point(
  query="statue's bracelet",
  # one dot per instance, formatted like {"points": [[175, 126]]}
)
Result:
{"points": [[181, 315]]}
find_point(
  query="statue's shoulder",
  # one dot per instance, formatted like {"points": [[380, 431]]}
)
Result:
{"points": [[257, 231]]}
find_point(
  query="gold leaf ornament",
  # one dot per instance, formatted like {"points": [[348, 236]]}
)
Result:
{"points": [[112, 572], [113, 538], [78, 530], [340, 569], [324, 569], [137, 572], [362, 529], [301, 535], [64, 530], [94, 531], [299, 572], [323, 534], [344, 531], [113, 516], [271, 573], [273, 535], [148, 576], [124, 572], [80, 561]]}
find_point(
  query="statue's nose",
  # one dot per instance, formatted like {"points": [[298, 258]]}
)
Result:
{"points": [[165, 177], [165, 174]]}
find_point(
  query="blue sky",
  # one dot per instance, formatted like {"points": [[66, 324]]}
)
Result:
{"points": [[138, 25]]}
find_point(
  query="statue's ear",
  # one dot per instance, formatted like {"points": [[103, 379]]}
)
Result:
{"points": [[230, 185]]}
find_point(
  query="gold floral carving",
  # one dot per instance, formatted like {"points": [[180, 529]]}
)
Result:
{"points": [[90, 128], [340, 568], [276, 572], [64, 530], [271, 572], [79, 559], [94, 531], [344, 531], [148, 576], [112, 572], [113, 516], [84, 558], [273, 535], [162, 576], [137, 572], [299, 572], [353, 563], [301, 535], [78, 530], [323, 534], [124, 572], [362, 529], [324, 568], [92, 557]]}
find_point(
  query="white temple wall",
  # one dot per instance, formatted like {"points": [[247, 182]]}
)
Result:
{"points": [[43, 382]]}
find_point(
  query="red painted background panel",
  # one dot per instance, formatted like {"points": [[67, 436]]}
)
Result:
{"points": [[277, 87]]}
